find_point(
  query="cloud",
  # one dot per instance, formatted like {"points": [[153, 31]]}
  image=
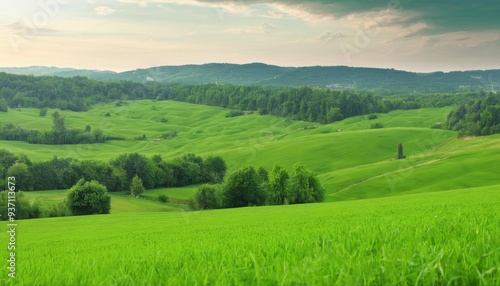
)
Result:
{"points": [[104, 10], [439, 16], [332, 36], [230, 6], [22, 28], [264, 28]]}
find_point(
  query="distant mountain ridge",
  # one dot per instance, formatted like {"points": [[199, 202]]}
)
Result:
{"points": [[338, 77]]}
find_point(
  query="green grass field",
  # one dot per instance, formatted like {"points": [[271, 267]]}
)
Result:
{"points": [[431, 218], [351, 160], [444, 238]]}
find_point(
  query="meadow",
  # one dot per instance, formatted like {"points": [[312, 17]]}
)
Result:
{"points": [[445, 238], [351, 160], [431, 218]]}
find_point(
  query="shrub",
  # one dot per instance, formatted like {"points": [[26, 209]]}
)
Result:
{"points": [[376, 125], [107, 114], [208, 197], [169, 135], [163, 120], [88, 198], [234, 113], [438, 125], [372, 116], [43, 112], [163, 198], [61, 209], [24, 208]]}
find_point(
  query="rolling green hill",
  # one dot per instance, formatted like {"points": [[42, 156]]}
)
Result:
{"points": [[262, 74], [431, 218], [351, 160]]}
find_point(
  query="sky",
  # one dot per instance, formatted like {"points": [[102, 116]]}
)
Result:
{"points": [[119, 35]]}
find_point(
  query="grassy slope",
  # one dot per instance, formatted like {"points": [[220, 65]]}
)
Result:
{"points": [[354, 163], [435, 238]]}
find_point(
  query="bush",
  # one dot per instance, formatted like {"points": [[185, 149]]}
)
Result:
{"points": [[88, 198], [234, 113], [43, 112], [163, 198], [61, 209], [169, 135], [438, 125], [24, 208], [208, 197], [107, 114], [163, 120], [121, 103], [376, 125], [372, 116]]}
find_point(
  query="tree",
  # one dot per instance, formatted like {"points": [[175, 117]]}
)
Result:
{"points": [[214, 169], [300, 190], [43, 112], [208, 197], [22, 175], [278, 185], [88, 128], [305, 187], [136, 187], [58, 122], [243, 188], [3, 105], [400, 151], [318, 192], [136, 164], [88, 198]]}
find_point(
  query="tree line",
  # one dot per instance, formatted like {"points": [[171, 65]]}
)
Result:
{"points": [[116, 175], [476, 117], [302, 103], [250, 186]]}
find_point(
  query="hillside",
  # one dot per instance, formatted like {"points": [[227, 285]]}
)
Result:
{"points": [[357, 162], [342, 77], [384, 220]]}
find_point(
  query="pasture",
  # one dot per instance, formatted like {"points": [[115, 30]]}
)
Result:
{"points": [[441, 238]]}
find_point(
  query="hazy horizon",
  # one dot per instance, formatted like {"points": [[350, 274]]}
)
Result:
{"points": [[121, 35], [208, 63]]}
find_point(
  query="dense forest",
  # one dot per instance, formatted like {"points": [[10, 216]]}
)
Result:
{"points": [[302, 103], [480, 116]]}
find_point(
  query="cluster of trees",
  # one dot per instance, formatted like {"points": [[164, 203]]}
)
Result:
{"points": [[249, 186], [303, 103], [58, 135], [480, 116], [116, 175]]}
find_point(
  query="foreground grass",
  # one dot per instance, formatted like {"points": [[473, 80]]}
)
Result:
{"points": [[422, 239]]}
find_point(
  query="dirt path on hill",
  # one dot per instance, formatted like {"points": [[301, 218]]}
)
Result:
{"points": [[386, 174]]}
